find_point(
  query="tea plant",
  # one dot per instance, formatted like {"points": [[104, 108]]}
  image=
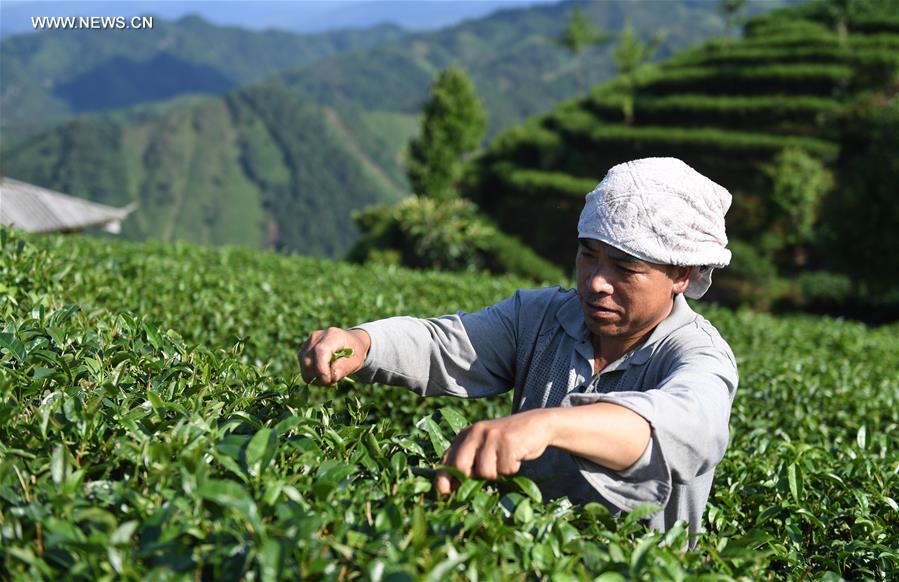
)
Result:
{"points": [[154, 425]]}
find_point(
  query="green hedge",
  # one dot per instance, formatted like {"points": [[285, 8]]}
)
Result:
{"points": [[572, 121], [788, 38], [606, 136], [874, 41], [865, 57], [726, 110], [532, 144], [450, 235], [780, 27], [546, 184], [875, 25], [804, 78], [508, 254]]}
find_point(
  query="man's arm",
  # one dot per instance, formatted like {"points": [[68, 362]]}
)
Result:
{"points": [[604, 433], [632, 446], [466, 354]]}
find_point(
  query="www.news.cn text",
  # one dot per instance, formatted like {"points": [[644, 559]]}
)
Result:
{"points": [[91, 22]]}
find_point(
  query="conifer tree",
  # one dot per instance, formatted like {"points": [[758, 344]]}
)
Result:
{"points": [[629, 56], [579, 34], [452, 125], [731, 9]]}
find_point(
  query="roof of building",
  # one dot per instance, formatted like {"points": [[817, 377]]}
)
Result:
{"points": [[34, 209]]}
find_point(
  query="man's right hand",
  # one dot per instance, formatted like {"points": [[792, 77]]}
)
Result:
{"points": [[316, 352]]}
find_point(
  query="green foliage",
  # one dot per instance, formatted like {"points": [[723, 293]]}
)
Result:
{"points": [[450, 235], [629, 56], [53, 75], [784, 113], [443, 235], [537, 183], [864, 57], [578, 35], [819, 287], [809, 79], [524, 75], [864, 211], [153, 426], [259, 168], [749, 280], [452, 126], [282, 170], [731, 9], [608, 136], [507, 254], [798, 183], [739, 111]]}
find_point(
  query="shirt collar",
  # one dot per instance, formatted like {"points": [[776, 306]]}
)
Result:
{"points": [[571, 317]]}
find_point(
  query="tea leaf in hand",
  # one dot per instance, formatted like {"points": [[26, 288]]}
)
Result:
{"points": [[341, 353]]}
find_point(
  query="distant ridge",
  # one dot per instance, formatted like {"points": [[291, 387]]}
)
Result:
{"points": [[53, 75], [284, 162]]}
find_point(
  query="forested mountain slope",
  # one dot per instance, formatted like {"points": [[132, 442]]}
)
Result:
{"points": [[202, 173], [54, 74], [258, 167], [517, 66]]}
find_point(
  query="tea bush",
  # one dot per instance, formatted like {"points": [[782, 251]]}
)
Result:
{"points": [[153, 425]]}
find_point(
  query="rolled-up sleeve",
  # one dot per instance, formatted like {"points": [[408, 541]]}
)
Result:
{"points": [[466, 354], [688, 412]]}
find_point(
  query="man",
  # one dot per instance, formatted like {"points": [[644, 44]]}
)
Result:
{"points": [[622, 392]]}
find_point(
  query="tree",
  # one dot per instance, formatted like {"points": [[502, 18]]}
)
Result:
{"points": [[798, 183], [730, 9], [629, 56], [579, 34], [452, 125]]}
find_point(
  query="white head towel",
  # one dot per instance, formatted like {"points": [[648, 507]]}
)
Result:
{"points": [[663, 211]]}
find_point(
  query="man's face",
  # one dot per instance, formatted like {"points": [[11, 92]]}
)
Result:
{"points": [[621, 295]]}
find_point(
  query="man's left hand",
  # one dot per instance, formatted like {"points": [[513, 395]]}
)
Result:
{"points": [[491, 448]]}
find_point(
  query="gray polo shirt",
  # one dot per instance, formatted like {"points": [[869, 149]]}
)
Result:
{"points": [[682, 380]]}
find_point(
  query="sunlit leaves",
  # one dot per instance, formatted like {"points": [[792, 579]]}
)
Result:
{"points": [[157, 427]]}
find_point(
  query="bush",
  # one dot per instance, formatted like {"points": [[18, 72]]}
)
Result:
{"points": [[749, 280], [798, 183], [548, 185], [448, 235], [824, 287], [758, 112], [825, 79], [610, 136], [507, 254], [154, 427]]}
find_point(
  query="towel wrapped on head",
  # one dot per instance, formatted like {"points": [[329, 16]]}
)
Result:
{"points": [[663, 211]]}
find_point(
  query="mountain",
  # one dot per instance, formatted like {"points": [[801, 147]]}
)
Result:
{"points": [[517, 67], [361, 106], [293, 16], [55, 74], [257, 167]]}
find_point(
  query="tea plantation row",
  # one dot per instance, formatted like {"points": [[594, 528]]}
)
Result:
{"points": [[153, 426]]}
